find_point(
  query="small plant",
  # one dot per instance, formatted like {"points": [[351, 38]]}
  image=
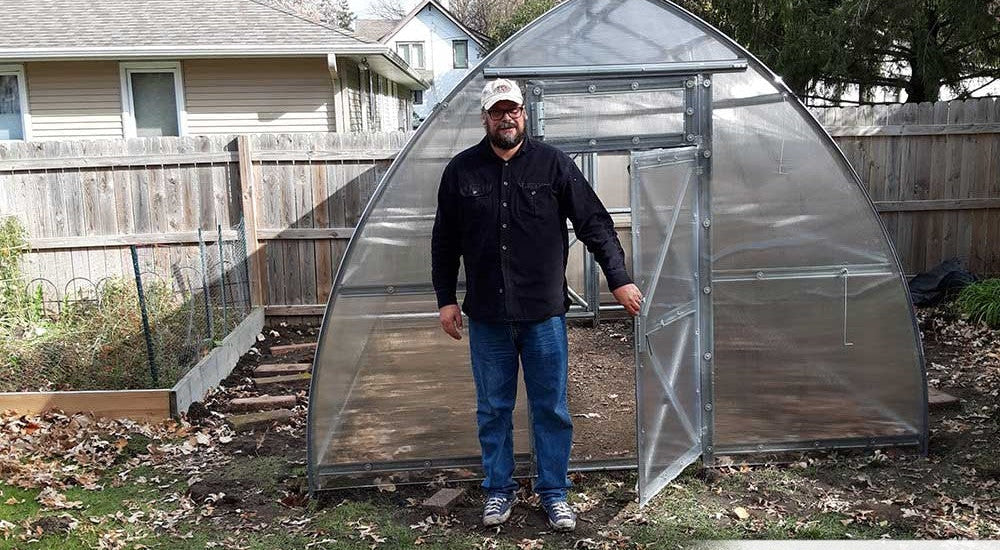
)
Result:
{"points": [[981, 302]]}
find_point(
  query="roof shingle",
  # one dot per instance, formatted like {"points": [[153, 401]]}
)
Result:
{"points": [[129, 23]]}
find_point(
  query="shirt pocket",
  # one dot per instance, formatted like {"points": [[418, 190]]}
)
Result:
{"points": [[538, 197], [475, 190]]}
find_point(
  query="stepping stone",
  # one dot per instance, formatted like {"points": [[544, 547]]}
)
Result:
{"points": [[262, 403], [247, 422], [281, 369], [443, 500], [287, 379], [938, 400], [291, 348]]}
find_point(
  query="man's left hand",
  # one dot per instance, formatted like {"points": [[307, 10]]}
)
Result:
{"points": [[630, 297]]}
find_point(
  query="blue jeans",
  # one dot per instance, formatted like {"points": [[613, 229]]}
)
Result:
{"points": [[541, 347]]}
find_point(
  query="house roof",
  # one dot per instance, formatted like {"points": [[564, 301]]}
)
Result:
{"points": [[374, 29], [35, 30], [475, 36], [40, 24]]}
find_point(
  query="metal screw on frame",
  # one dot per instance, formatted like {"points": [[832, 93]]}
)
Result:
{"points": [[706, 223], [708, 356], [707, 83], [708, 406], [537, 90]]}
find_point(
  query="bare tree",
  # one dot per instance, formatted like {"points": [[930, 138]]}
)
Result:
{"points": [[331, 12], [483, 16], [388, 9]]}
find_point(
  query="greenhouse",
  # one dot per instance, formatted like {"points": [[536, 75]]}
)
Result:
{"points": [[776, 318]]}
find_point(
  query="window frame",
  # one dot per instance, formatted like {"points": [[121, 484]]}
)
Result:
{"points": [[407, 58], [17, 70], [128, 104], [454, 52], [417, 94]]}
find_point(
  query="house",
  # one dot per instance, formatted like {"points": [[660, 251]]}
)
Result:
{"points": [[432, 41], [73, 69]]}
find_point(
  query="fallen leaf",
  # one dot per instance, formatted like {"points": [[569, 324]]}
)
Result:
{"points": [[741, 512]]}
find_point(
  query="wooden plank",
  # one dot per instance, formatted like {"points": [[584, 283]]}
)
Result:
{"points": [[329, 233], [138, 161], [290, 269], [91, 241], [305, 219], [291, 348], [939, 204], [262, 403], [939, 400], [324, 250], [915, 129], [257, 263], [280, 369], [288, 310], [148, 405], [283, 380], [943, 169], [359, 155]]}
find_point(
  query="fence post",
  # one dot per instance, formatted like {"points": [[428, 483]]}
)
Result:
{"points": [[206, 291], [154, 374], [222, 282], [256, 266]]}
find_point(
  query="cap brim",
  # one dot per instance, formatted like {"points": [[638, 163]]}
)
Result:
{"points": [[516, 98]]}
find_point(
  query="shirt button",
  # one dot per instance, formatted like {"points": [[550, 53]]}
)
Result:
{"points": [[501, 291], [475, 192], [505, 183], [505, 205], [504, 247], [504, 226]]}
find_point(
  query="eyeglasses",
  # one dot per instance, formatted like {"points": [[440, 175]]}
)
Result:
{"points": [[497, 114]]}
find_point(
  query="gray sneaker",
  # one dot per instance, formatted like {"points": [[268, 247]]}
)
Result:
{"points": [[561, 515], [498, 508]]}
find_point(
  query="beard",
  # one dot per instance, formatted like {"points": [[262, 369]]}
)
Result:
{"points": [[503, 141]]}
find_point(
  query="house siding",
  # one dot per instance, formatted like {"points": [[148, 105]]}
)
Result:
{"points": [[437, 32], [82, 99], [74, 99], [258, 95]]}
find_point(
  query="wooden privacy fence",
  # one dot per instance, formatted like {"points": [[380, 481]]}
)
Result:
{"points": [[84, 202], [933, 171]]}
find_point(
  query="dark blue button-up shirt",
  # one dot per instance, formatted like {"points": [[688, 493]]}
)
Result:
{"points": [[507, 221]]}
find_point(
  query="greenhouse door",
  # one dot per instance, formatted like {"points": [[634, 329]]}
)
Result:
{"points": [[667, 254]]}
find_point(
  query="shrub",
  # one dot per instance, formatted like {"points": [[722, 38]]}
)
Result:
{"points": [[981, 302]]}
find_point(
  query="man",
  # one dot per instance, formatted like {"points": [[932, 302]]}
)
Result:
{"points": [[502, 207]]}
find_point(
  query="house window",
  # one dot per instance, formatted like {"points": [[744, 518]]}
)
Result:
{"points": [[13, 103], [460, 48], [152, 100], [418, 97], [412, 53]]}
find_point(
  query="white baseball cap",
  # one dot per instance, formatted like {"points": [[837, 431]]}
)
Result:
{"points": [[501, 89]]}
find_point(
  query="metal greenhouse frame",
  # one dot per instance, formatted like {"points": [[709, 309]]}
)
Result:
{"points": [[777, 316]]}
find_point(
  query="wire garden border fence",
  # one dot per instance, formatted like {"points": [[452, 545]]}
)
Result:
{"points": [[145, 329]]}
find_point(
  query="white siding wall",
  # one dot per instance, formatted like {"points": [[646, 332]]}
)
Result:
{"points": [[229, 96], [82, 99], [437, 32], [74, 99]]}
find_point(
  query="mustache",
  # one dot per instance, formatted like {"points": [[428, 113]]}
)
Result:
{"points": [[506, 125]]}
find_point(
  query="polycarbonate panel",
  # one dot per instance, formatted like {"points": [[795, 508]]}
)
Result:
{"points": [[611, 32], [788, 368], [668, 411], [781, 193], [614, 114]]}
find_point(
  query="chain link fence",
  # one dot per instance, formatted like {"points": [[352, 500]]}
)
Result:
{"points": [[144, 328]]}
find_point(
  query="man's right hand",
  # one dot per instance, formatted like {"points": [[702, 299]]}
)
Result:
{"points": [[451, 320]]}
